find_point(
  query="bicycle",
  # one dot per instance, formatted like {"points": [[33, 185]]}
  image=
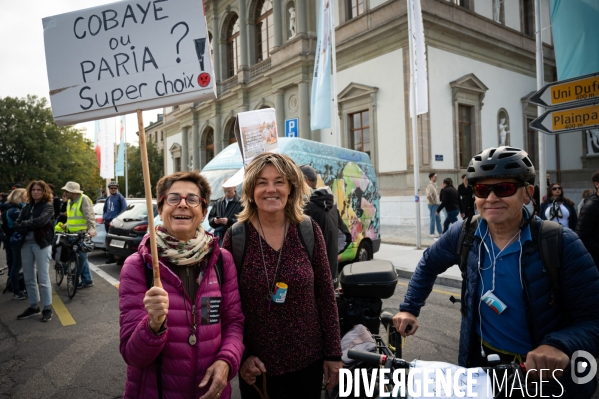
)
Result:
{"points": [[512, 373], [67, 258]]}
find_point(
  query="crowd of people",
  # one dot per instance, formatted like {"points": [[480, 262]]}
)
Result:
{"points": [[257, 297]]}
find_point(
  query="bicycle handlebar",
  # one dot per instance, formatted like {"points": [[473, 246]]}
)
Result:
{"points": [[379, 360]]}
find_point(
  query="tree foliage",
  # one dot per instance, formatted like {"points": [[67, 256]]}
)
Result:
{"points": [[135, 178], [33, 147]]}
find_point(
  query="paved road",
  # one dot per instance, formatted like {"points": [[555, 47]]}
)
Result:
{"points": [[79, 357]]}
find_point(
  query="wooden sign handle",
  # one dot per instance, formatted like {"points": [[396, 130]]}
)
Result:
{"points": [[148, 194]]}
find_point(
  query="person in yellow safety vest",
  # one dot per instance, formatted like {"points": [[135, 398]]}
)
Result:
{"points": [[80, 216]]}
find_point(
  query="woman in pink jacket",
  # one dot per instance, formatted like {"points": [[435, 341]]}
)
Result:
{"points": [[183, 340]]}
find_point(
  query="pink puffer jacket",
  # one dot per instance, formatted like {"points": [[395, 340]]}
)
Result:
{"points": [[183, 365]]}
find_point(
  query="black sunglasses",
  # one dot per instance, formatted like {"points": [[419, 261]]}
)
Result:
{"points": [[501, 190], [556, 188]]}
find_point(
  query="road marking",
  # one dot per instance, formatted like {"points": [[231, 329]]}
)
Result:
{"points": [[111, 280], [65, 317], [437, 291]]}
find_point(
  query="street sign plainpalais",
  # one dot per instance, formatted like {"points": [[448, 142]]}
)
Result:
{"points": [[576, 91], [125, 56], [568, 120]]}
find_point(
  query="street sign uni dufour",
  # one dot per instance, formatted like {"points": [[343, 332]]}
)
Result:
{"points": [[573, 105], [568, 92]]}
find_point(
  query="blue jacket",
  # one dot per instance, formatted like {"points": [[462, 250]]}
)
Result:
{"points": [[114, 205], [571, 324]]}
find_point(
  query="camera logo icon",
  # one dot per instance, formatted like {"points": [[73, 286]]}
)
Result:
{"points": [[587, 364]]}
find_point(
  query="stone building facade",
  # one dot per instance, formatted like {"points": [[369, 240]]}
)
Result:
{"points": [[481, 69]]}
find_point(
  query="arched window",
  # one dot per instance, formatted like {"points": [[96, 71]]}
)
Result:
{"points": [[233, 46], [232, 138], [264, 30], [209, 145]]}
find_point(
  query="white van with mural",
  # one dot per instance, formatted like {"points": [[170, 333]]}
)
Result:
{"points": [[348, 173]]}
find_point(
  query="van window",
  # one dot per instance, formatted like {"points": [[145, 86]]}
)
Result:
{"points": [[216, 178]]}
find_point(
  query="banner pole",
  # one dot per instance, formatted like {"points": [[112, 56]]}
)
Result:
{"points": [[148, 194], [542, 164], [415, 143]]}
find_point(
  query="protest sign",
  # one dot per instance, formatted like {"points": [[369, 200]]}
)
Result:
{"points": [[256, 132], [127, 56]]}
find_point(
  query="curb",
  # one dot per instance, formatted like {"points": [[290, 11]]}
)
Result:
{"points": [[446, 281], [407, 244]]}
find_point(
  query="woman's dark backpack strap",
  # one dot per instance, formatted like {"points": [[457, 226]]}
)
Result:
{"points": [[306, 234], [238, 245], [465, 242]]}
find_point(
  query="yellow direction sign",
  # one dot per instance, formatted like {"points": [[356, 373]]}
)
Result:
{"points": [[582, 89], [568, 120]]}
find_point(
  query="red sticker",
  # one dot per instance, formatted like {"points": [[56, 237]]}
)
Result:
{"points": [[204, 79]]}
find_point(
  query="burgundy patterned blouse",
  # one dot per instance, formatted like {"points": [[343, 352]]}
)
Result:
{"points": [[305, 328]]}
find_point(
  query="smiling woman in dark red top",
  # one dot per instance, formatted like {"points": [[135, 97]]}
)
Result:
{"points": [[292, 339]]}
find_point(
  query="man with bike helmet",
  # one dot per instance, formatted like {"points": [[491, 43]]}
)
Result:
{"points": [[511, 304], [80, 217], [114, 205]]}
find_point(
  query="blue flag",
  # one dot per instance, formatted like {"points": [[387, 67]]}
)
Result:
{"points": [[320, 102], [575, 37], [120, 158]]}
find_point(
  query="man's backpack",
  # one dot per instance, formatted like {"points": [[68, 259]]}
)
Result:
{"points": [[239, 239], [546, 237]]}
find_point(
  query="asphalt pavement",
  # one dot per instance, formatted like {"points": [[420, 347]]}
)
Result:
{"points": [[76, 354]]}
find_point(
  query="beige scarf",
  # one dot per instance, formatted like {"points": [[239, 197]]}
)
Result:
{"points": [[182, 253]]}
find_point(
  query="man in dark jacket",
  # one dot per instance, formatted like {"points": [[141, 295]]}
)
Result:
{"points": [[466, 198], [508, 306], [114, 205], [323, 210], [588, 222], [224, 212]]}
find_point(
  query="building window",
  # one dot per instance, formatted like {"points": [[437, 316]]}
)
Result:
{"points": [[209, 145], [499, 11], [359, 126], [178, 164], [528, 17], [465, 135], [161, 135], [354, 8], [532, 142], [264, 30], [233, 46], [232, 138], [462, 3]]}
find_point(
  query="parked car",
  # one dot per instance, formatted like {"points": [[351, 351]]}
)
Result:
{"points": [[100, 238], [127, 229]]}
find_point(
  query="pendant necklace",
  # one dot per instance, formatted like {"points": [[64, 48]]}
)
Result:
{"points": [[274, 282], [192, 327]]}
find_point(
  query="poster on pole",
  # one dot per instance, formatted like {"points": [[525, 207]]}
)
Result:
{"points": [[121, 57], [256, 132]]}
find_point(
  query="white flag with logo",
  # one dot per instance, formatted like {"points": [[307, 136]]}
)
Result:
{"points": [[418, 58]]}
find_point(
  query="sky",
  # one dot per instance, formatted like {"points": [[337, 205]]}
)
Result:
{"points": [[22, 56]]}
